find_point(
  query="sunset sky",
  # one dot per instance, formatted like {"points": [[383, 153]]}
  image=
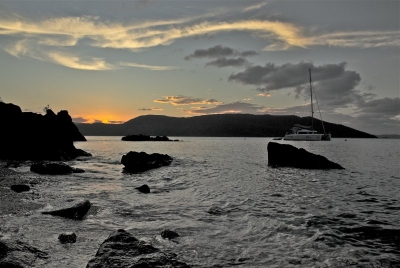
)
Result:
{"points": [[111, 61]]}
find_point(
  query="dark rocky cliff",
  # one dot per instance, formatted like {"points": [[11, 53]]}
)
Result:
{"points": [[26, 135]]}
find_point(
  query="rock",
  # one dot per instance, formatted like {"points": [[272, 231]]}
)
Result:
{"points": [[19, 188], [31, 136], [285, 155], [51, 168], [76, 212], [122, 250], [169, 234], [141, 137], [67, 238], [17, 254], [144, 189], [138, 162], [77, 170]]}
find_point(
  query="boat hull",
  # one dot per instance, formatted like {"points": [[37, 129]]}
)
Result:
{"points": [[303, 137]]}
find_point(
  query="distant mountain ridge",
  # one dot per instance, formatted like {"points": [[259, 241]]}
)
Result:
{"points": [[217, 125]]}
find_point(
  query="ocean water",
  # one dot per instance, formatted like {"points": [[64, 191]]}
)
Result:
{"points": [[229, 207]]}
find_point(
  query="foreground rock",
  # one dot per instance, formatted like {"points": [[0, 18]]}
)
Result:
{"points": [[138, 162], [51, 168], [31, 136], [76, 212], [141, 137], [67, 238], [122, 250], [19, 188], [168, 234], [285, 155], [16, 254]]}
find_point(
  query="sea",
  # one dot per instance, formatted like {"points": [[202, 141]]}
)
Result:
{"points": [[228, 206]]}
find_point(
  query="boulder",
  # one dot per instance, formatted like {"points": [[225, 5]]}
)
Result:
{"points": [[67, 238], [144, 189], [17, 254], [285, 155], [138, 162], [168, 234], [51, 168], [122, 250], [31, 136], [19, 188], [76, 212]]}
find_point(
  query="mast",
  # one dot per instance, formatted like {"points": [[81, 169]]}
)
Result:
{"points": [[312, 108]]}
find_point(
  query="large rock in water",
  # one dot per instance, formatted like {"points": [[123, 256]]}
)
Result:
{"points": [[137, 162], [76, 212], [17, 254], [31, 136], [122, 250], [285, 155]]}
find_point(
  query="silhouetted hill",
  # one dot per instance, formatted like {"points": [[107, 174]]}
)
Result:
{"points": [[217, 125]]}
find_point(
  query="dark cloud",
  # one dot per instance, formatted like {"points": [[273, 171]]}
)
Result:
{"points": [[225, 62], [219, 51], [184, 100], [151, 109], [116, 122], [79, 120], [387, 106], [97, 121]]}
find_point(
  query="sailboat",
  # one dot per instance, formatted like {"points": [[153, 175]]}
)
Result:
{"points": [[307, 133]]}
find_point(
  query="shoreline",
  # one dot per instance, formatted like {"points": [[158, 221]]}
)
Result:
{"points": [[13, 203]]}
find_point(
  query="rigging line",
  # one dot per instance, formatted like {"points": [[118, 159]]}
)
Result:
{"points": [[320, 115]]}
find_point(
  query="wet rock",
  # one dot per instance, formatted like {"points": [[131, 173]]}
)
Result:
{"points": [[138, 162], [285, 155], [67, 238], [19, 188], [17, 254], [76, 212], [168, 234], [144, 189], [122, 250], [51, 168], [78, 170]]}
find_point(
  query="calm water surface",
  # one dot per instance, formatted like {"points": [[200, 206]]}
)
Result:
{"points": [[262, 217]]}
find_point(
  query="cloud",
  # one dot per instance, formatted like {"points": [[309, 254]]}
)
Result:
{"points": [[79, 120], [184, 100], [116, 122], [219, 51], [224, 62], [265, 95], [71, 61], [96, 121], [151, 109], [149, 67], [234, 107], [255, 7], [389, 107]]}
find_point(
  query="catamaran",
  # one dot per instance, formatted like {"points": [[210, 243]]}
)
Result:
{"points": [[307, 133]]}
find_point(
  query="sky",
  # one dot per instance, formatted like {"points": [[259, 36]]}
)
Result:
{"points": [[111, 61]]}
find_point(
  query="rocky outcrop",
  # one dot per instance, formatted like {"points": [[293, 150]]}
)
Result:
{"points": [[138, 162], [76, 212], [31, 136], [285, 155], [51, 168], [122, 250], [141, 137], [17, 254]]}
